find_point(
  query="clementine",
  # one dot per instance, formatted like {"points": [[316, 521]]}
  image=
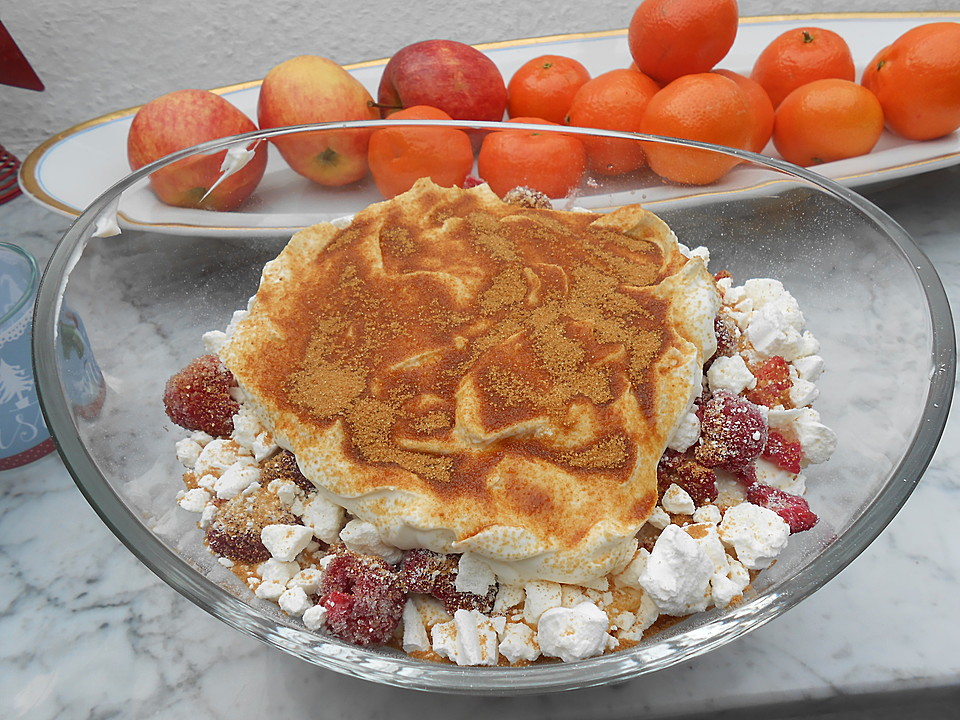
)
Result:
{"points": [[670, 38], [799, 56], [551, 162], [544, 87], [761, 109], [917, 81], [400, 156], [707, 107], [827, 120], [614, 100]]}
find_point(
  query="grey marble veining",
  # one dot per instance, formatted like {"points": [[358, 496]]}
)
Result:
{"points": [[87, 632]]}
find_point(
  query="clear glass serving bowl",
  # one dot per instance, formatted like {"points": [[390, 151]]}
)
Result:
{"points": [[147, 295]]}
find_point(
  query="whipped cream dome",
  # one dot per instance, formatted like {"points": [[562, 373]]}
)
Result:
{"points": [[472, 377]]}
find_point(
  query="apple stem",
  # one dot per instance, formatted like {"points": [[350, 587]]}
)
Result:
{"points": [[371, 103]]}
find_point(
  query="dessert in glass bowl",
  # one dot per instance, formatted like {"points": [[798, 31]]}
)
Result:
{"points": [[495, 433], [149, 295]]}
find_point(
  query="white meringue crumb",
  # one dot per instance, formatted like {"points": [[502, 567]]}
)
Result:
{"points": [[519, 643], [188, 450], [707, 514], [285, 542], [574, 633], [756, 534], [235, 479], [677, 573], [508, 596], [659, 518], [630, 576], [194, 500], [474, 575], [540, 596], [294, 601], [415, 636], [731, 374], [363, 537], [677, 501], [307, 579], [686, 433], [323, 517], [314, 618], [469, 639]]}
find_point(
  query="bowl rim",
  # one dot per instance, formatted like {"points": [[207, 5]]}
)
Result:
{"points": [[33, 275], [406, 672]]}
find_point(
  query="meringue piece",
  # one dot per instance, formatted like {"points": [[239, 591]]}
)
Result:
{"points": [[677, 573], [574, 633], [285, 542], [756, 534]]}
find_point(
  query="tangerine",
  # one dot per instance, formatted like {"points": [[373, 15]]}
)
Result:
{"points": [[827, 120], [707, 107], [615, 100], [400, 156], [550, 162], [917, 81], [670, 38], [799, 56], [544, 87], [761, 109]]}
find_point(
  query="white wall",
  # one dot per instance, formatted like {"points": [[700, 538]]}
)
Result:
{"points": [[96, 57]]}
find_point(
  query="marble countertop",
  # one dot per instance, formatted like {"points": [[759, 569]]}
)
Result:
{"points": [[86, 631]]}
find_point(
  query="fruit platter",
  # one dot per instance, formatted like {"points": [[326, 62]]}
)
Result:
{"points": [[99, 146]]}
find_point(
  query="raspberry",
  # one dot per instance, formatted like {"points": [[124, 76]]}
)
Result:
{"points": [[235, 530], [733, 432], [419, 570], [747, 475], [773, 383], [794, 510], [783, 453], [698, 481], [525, 197], [429, 573], [283, 466], [198, 397], [363, 598], [728, 335], [471, 181]]}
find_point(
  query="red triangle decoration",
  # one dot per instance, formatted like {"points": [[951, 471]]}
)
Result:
{"points": [[14, 68]]}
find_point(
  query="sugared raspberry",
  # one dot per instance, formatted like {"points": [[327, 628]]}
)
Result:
{"points": [[773, 383], [728, 335], [427, 572], [783, 453], [794, 510], [527, 198], [363, 598], [198, 397], [733, 432], [419, 570], [283, 466], [471, 181], [235, 530], [747, 475], [698, 481]]}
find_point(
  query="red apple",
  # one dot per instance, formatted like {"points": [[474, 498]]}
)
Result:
{"points": [[445, 74], [179, 120], [312, 89]]}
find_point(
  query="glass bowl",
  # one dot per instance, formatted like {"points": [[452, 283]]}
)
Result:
{"points": [[147, 295]]}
